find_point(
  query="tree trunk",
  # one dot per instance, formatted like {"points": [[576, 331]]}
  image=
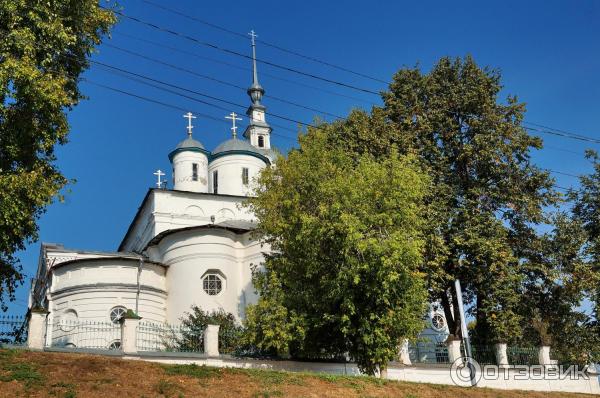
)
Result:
{"points": [[383, 372]]}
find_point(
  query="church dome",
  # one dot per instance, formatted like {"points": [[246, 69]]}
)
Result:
{"points": [[235, 144], [240, 146], [189, 143]]}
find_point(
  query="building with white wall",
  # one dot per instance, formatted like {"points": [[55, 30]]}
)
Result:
{"points": [[189, 245]]}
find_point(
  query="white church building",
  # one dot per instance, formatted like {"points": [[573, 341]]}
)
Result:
{"points": [[189, 245]]}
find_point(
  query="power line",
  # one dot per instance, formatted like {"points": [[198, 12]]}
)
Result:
{"points": [[223, 82], [164, 104], [562, 131], [236, 53], [275, 77], [566, 135], [275, 46], [198, 93]]}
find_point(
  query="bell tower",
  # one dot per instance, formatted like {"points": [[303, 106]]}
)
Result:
{"points": [[258, 130]]}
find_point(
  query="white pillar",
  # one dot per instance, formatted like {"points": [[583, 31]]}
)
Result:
{"points": [[501, 355], [544, 355], [129, 324], [404, 354], [211, 340], [453, 350], [36, 335]]}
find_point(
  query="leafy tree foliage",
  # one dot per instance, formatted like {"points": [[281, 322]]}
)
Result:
{"points": [[346, 238], [44, 46], [486, 196], [194, 323]]}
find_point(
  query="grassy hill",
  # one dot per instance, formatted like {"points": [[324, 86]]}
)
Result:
{"points": [[38, 374]]}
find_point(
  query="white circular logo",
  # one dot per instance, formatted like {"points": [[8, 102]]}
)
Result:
{"points": [[465, 372]]}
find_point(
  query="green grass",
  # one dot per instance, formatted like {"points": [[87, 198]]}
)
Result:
{"points": [[166, 388], [19, 371]]}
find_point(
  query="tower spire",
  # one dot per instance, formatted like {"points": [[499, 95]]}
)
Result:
{"points": [[255, 91]]}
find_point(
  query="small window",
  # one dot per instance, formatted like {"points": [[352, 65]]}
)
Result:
{"points": [[245, 175], [194, 171], [261, 141], [117, 313], [438, 322], [216, 181], [115, 345], [212, 284]]}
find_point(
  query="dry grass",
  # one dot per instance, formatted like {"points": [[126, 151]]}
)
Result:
{"points": [[37, 374]]}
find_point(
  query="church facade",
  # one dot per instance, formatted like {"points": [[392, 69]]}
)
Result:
{"points": [[189, 245]]}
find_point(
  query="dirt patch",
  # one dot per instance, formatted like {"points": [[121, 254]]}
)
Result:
{"points": [[37, 374]]}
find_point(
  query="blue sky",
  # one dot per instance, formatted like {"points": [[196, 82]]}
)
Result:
{"points": [[547, 51]]}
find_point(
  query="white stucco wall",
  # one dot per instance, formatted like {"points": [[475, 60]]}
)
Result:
{"points": [[229, 169], [165, 210], [191, 254], [93, 288], [182, 171]]}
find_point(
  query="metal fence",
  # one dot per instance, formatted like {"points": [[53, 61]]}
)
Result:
{"points": [[428, 349], [522, 355], [85, 334], [13, 330], [170, 338], [483, 354]]}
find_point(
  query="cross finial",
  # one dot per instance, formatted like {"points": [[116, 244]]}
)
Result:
{"points": [[189, 116], [253, 36], [159, 174], [233, 117]]}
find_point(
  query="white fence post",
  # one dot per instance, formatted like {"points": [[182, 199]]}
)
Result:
{"points": [[36, 334], [129, 323], [501, 355], [211, 340], [453, 350]]}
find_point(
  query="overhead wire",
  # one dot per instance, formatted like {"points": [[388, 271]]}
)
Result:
{"points": [[236, 53], [266, 43]]}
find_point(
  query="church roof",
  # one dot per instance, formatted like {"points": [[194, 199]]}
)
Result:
{"points": [[189, 143], [236, 145]]}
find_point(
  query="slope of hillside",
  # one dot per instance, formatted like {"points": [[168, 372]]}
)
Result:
{"points": [[38, 374]]}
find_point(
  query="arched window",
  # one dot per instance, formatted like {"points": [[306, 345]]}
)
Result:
{"points": [[438, 322], [115, 345], [261, 141], [212, 284], [216, 181], [116, 313]]}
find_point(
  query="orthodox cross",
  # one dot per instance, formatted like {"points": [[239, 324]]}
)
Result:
{"points": [[159, 174], [189, 116], [253, 36], [233, 117]]}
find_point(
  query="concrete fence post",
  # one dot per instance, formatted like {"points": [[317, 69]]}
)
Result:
{"points": [[129, 323], [211, 340], [453, 350], [501, 355], [404, 354], [36, 333]]}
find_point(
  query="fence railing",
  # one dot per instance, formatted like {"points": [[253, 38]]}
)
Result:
{"points": [[428, 349], [13, 330], [483, 354], [522, 355], [85, 334], [169, 338]]}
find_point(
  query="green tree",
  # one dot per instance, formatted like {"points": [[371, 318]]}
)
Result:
{"points": [[193, 324], [346, 238], [486, 197], [44, 47]]}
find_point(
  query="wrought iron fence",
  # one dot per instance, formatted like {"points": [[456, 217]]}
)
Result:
{"points": [[85, 334], [169, 338], [13, 330], [522, 355], [483, 354], [428, 349]]}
